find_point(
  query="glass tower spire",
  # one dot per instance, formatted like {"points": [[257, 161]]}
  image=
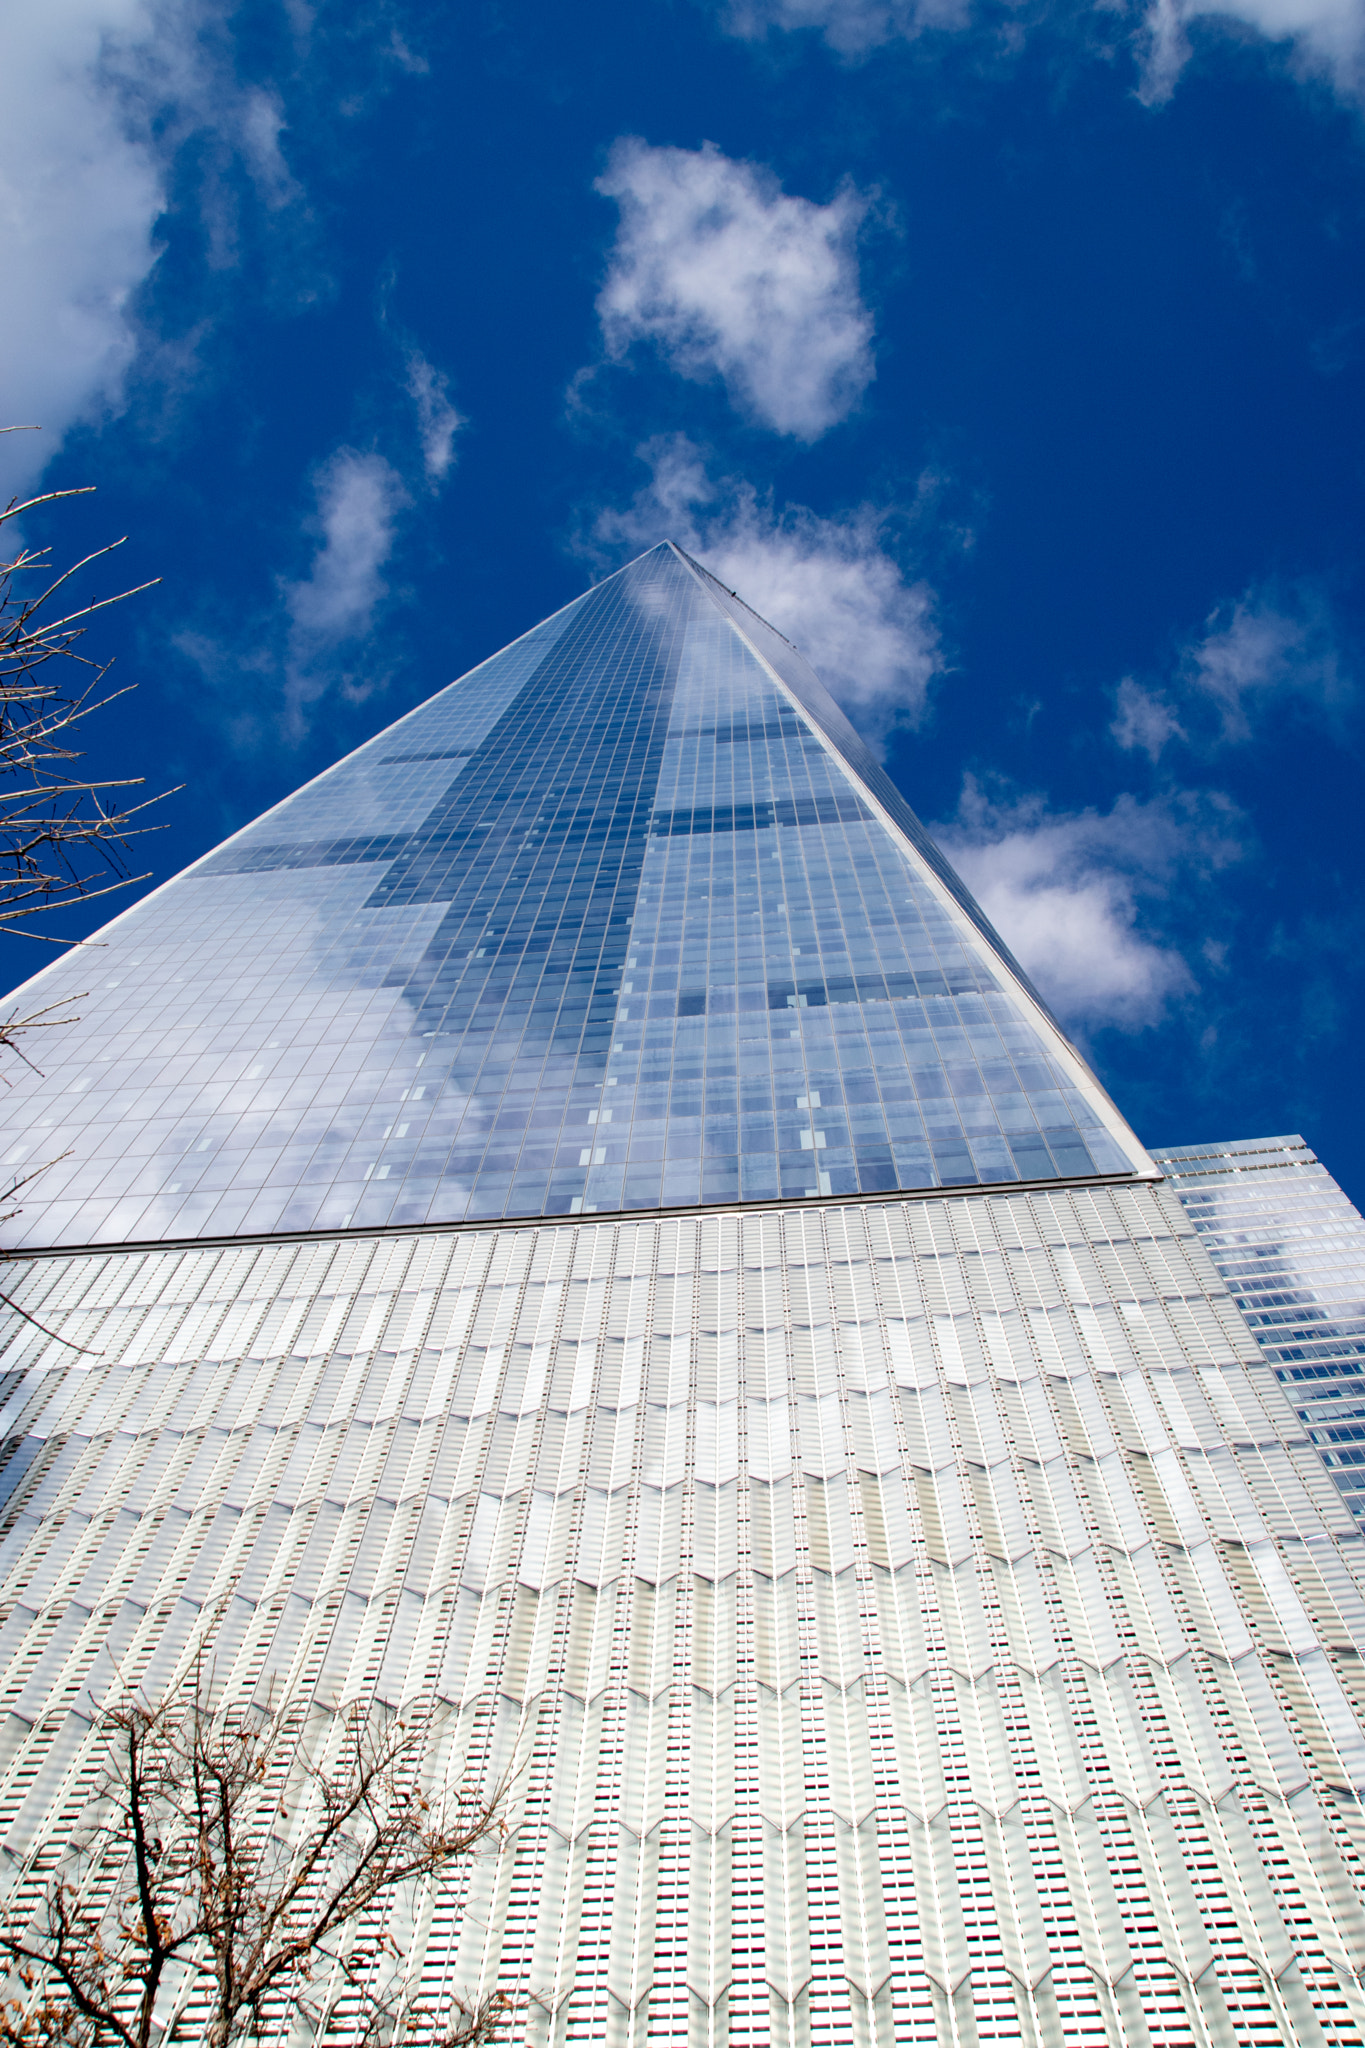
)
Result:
{"points": [[626, 919]]}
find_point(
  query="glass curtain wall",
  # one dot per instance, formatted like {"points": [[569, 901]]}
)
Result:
{"points": [[1291, 1248], [612, 924]]}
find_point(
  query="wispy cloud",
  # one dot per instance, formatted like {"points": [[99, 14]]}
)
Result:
{"points": [[81, 188], [261, 124], [833, 586], [322, 635], [120, 122], [852, 27], [437, 420], [730, 277], [1321, 38], [1083, 898], [1273, 649], [1271, 645], [1324, 38], [1144, 719], [359, 499]]}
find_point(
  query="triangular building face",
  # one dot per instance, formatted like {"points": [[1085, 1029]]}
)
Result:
{"points": [[626, 919]]}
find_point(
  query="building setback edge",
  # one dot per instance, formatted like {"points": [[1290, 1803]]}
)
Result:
{"points": [[777, 1204]]}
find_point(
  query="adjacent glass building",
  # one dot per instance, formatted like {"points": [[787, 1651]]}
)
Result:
{"points": [[579, 1231], [1291, 1248]]}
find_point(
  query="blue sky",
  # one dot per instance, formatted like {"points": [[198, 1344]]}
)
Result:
{"points": [[1009, 358]]}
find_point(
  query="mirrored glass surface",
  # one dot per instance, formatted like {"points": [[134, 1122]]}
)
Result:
{"points": [[1291, 1247], [613, 923]]}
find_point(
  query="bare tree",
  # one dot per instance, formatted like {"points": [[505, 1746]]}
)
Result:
{"points": [[224, 1862], [62, 835]]}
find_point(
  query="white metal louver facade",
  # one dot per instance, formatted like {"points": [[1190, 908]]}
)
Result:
{"points": [[904, 1620]]}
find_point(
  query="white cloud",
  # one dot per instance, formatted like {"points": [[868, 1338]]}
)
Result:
{"points": [[832, 586], [80, 192], [437, 420], [1066, 891], [1268, 646], [111, 112], [359, 499], [260, 125], [96, 99], [1325, 38], [731, 277], [1272, 648], [1144, 719], [852, 27]]}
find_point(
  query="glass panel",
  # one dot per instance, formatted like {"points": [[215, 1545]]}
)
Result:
{"points": [[1291, 1247], [616, 922]]}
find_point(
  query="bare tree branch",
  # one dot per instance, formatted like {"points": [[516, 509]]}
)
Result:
{"points": [[222, 1853], [63, 835]]}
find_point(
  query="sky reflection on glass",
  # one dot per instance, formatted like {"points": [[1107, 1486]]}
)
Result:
{"points": [[624, 919]]}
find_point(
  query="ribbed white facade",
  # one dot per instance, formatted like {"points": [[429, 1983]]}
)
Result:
{"points": [[902, 1620]]}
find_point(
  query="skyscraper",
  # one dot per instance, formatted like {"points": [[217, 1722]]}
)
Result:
{"points": [[579, 1230], [1292, 1250]]}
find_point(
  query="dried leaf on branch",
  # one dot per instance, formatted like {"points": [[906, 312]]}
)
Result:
{"points": [[227, 1876]]}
